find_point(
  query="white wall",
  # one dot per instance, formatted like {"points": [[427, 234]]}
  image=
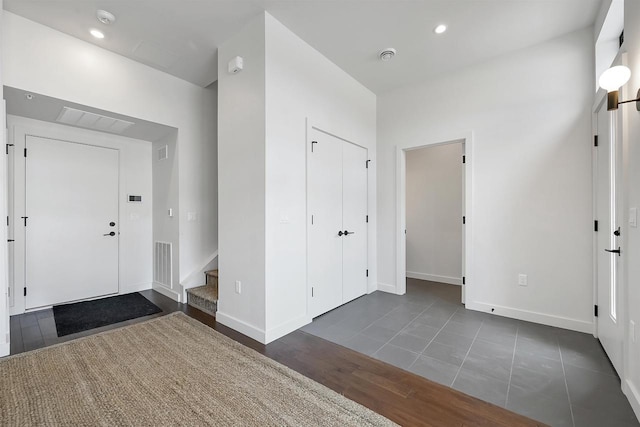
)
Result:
{"points": [[165, 197], [135, 256], [302, 84], [241, 178], [434, 213], [529, 113], [631, 198], [262, 135], [39, 59]]}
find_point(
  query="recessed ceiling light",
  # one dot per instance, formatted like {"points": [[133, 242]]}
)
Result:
{"points": [[387, 54], [440, 29], [97, 34]]}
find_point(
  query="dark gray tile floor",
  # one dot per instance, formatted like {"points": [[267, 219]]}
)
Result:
{"points": [[556, 376], [38, 329]]}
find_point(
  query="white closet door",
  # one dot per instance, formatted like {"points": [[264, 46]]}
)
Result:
{"points": [[354, 213], [71, 201], [325, 211]]}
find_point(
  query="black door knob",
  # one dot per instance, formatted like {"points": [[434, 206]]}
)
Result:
{"points": [[113, 233], [340, 233], [112, 224]]}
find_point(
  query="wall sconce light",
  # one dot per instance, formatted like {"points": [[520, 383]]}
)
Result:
{"points": [[611, 81]]}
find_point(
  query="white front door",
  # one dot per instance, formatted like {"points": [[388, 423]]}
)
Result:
{"points": [[72, 221], [354, 222], [609, 319]]}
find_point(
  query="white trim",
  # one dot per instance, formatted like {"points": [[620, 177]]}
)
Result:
{"points": [[401, 256], [434, 278], [633, 395], [240, 326], [286, 328], [166, 291], [532, 316], [5, 349], [385, 287], [138, 287]]}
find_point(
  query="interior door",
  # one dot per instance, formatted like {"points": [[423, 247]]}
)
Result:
{"points": [[354, 221], [71, 225], [609, 320], [325, 209]]}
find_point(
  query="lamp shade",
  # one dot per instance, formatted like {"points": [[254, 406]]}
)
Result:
{"points": [[614, 78]]}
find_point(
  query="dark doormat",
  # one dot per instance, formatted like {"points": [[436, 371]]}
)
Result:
{"points": [[82, 316]]}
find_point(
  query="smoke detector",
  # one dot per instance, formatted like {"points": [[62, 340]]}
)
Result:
{"points": [[387, 54], [105, 17]]}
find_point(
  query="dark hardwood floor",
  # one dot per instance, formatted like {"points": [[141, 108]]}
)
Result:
{"points": [[401, 396]]}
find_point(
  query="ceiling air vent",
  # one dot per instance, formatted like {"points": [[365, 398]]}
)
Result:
{"points": [[85, 119]]}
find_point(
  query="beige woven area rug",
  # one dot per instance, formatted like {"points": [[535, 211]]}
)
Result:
{"points": [[172, 370]]}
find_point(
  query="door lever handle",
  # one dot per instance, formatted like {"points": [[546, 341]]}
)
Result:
{"points": [[113, 233], [613, 251], [346, 232], [340, 233]]}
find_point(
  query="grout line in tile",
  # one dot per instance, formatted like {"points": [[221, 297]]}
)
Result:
{"points": [[434, 337], [403, 328], [513, 358], [467, 355], [566, 385]]}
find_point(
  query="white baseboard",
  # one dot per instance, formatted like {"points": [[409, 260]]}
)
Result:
{"points": [[633, 394], [5, 349], [241, 326], [384, 287], [286, 328], [435, 278], [532, 316], [166, 291]]}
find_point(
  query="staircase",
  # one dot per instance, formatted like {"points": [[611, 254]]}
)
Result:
{"points": [[205, 298]]}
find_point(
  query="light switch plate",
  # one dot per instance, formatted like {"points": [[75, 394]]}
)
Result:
{"points": [[522, 279]]}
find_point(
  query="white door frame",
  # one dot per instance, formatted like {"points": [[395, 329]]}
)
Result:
{"points": [[311, 125], [401, 203], [18, 133]]}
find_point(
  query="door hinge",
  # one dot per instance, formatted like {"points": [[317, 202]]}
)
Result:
{"points": [[595, 140], [25, 291], [595, 310], [7, 147], [464, 279], [7, 220], [311, 219], [464, 159], [366, 164], [464, 219], [25, 220], [9, 292], [367, 273], [367, 220], [25, 152], [312, 292], [595, 225], [313, 142]]}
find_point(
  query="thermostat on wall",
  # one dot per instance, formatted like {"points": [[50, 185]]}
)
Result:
{"points": [[132, 198]]}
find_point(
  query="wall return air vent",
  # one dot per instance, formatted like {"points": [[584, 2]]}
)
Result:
{"points": [[85, 119]]}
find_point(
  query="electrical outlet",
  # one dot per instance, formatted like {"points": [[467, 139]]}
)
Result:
{"points": [[632, 330], [522, 279], [238, 287]]}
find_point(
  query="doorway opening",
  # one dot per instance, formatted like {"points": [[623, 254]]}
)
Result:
{"points": [[433, 212]]}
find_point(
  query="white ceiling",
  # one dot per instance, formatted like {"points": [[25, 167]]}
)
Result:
{"points": [[181, 37]]}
